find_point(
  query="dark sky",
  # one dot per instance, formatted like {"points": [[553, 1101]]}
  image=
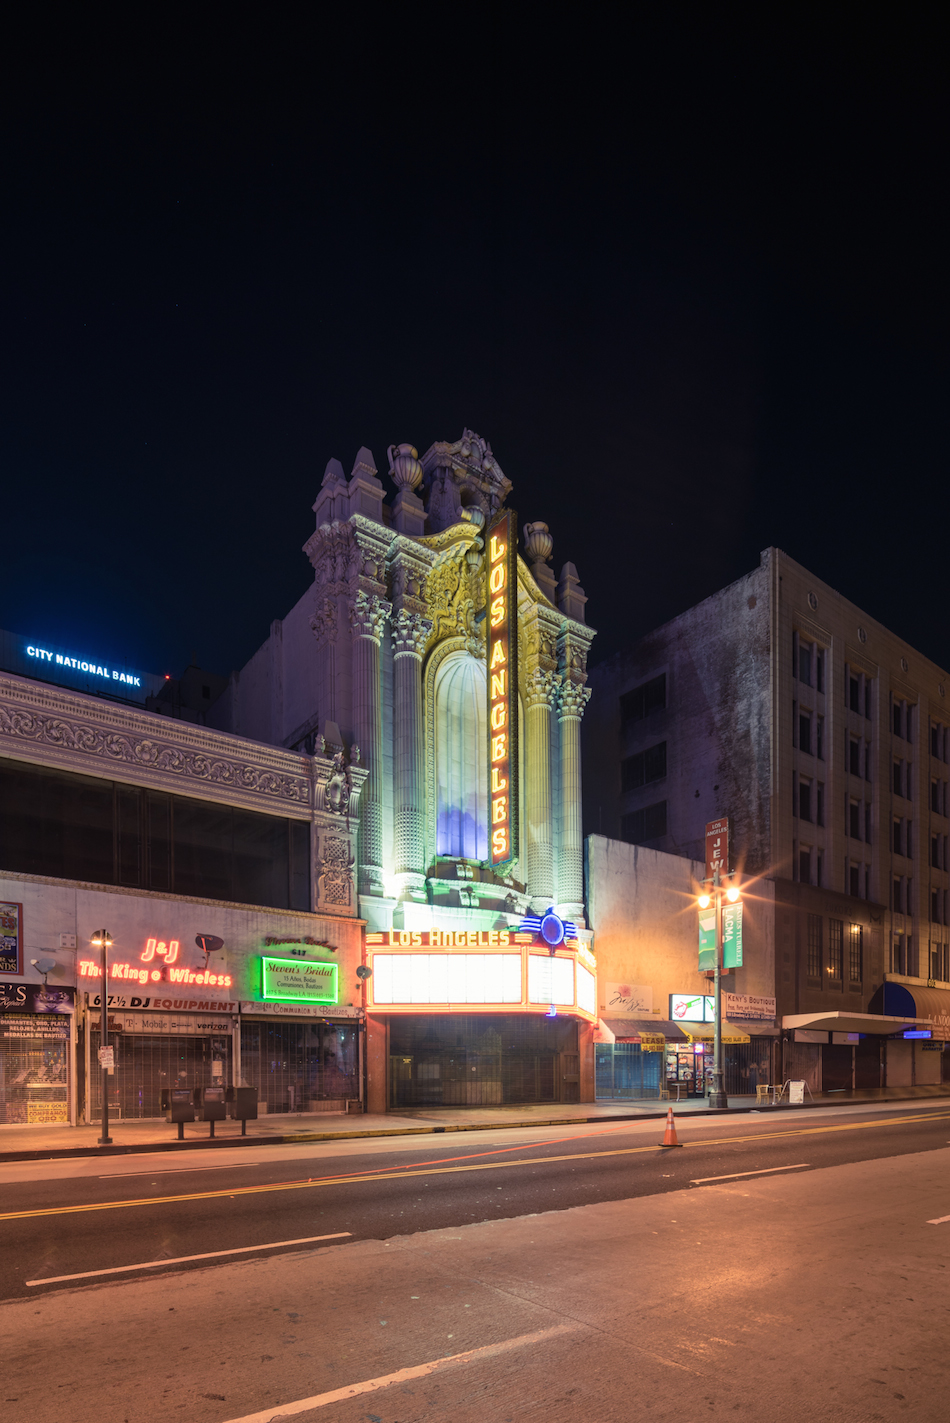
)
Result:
{"points": [[685, 271]]}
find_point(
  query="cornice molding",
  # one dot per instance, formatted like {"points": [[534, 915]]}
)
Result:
{"points": [[54, 727]]}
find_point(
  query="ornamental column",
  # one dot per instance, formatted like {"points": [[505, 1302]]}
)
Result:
{"points": [[570, 879], [368, 615], [540, 694], [410, 633]]}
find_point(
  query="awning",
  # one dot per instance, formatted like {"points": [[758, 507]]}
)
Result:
{"points": [[629, 1030], [705, 1032], [853, 1023], [930, 1003]]}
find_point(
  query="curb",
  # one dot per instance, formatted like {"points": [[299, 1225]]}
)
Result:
{"points": [[293, 1138]]}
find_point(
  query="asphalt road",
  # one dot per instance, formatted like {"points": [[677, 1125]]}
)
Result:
{"points": [[69, 1224]]}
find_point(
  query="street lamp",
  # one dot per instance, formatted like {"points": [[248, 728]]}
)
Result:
{"points": [[102, 939], [717, 1092]]}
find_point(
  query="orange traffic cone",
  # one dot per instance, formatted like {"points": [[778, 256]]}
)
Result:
{"points": [[669, 1138]]}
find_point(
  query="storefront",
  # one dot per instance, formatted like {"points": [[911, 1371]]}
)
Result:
{"points": [[37, 1035], [226, 1006], [508, 1023], [842, 1052], [636, 1057]]}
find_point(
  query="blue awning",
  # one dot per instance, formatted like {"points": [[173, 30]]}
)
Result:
{"points": [[915, 1001]]}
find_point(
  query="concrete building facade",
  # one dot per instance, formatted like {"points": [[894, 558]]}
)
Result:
{"points": [[165, 833], [826, 740]]}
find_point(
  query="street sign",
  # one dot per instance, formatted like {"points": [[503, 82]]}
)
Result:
{"points": [[107, 1058], [707, 938], [731, 936], [717, 848]]}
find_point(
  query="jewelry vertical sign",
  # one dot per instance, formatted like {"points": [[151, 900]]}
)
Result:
{"points": [[502, 653]]}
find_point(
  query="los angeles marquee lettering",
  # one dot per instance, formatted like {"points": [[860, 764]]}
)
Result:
{"points": [[502, 686]]}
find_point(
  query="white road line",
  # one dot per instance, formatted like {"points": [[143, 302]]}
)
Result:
{"points": [[766, 1171], [339, 1395], [941, 1220], [176, 1170], [182, 1259]]}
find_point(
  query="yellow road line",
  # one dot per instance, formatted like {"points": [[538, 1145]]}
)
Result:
{"points": [[454, 1170]]}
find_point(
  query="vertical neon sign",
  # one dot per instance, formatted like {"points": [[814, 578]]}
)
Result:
{"points": [[503, 688]]}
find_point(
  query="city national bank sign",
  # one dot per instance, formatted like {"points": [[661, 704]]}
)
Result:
{"points": [[77, 664]]}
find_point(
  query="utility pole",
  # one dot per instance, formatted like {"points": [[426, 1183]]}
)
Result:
{"points": [[717, 864], [103, 939]]}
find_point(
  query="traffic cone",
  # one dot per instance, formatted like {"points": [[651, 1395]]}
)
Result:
{"points": [[669, 1138]]}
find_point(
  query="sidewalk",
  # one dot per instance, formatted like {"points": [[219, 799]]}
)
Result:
{"points": [[31, 1143]]}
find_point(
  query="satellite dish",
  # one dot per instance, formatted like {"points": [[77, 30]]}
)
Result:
{"points": [[43, 966], [209, 943]]}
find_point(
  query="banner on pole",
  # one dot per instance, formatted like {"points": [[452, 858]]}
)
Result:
{"points": [[707, 938], [731, 936]]}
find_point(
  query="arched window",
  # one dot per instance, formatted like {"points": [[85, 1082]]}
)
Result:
{"points": [[461, 758]]}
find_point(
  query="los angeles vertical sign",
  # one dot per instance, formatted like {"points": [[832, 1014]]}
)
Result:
{"points": [[503, 688]]}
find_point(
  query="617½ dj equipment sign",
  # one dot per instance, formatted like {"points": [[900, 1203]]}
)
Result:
{"points": [[502, 542]]}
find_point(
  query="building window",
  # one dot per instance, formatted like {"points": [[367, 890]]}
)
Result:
{"points": [[647, 766], [856, 956], [898, 837], [867, 760], [820, 737], [909, 722], [854, 693], [69, 826], [910, 944], [804, 864], [461, 758], [818, 869], [854, 756], [804, 662], [935, 917], [804, 798], [897, 719], [897, 896], [898, 778], [867, 823], [641, 826], [940, 961], [854, 880], [819, 669], [804, 732], [820, 805], [898, 955], [935, 796], [814, 947], [642, 701], [835, 950], [867, 697], [935, 741], [854, 819]]}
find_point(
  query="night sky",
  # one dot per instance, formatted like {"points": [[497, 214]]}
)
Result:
{"points": [[687, 272]]}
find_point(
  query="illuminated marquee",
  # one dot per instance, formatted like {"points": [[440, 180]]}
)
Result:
{"points": [[58, 659], [130, 972], [503, 688], [447, 939]]}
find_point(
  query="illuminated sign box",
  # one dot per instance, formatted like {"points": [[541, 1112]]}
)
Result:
{"points": [[502, 652], [693, 1007], [448, 938], [446, 978], [296, 981]]}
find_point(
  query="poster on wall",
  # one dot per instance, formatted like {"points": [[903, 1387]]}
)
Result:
{"points": [[11, 937]]}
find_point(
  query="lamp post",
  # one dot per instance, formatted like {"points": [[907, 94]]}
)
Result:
{"points": [[102, 939], [717, 1092]]}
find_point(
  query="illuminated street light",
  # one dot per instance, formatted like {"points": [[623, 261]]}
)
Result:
{"points": [[102, 939], [732, 894], [704, 901]]}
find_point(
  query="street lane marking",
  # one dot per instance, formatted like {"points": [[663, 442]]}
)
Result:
{"points": [[765, 1171], [178, 1170], [181, 1259], [941, 1219], [340, 1395], [359, 1177]]}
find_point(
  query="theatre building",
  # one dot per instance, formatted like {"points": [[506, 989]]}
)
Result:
{"points": [[449, 670], [221, 869]]}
